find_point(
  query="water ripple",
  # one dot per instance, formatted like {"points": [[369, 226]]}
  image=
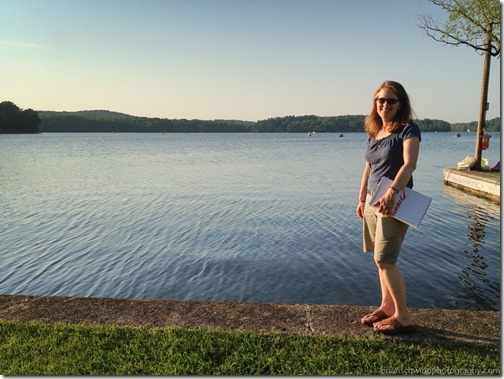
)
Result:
{"points": [[264, 218]]}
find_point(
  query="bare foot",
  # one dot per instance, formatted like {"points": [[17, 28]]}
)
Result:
{"points": [[374, 317], [394, 325]]}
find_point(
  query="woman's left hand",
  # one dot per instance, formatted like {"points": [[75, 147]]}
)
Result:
{"points": [[386, 202]]}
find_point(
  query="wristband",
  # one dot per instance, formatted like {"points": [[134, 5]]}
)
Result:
{"points": [[395, 189]]}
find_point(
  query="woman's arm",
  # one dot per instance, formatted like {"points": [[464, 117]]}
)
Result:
{"points": [[411, 147]]}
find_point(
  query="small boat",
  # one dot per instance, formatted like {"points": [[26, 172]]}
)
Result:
{"points": [[341, 135]]}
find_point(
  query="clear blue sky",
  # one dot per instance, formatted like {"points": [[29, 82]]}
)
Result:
{"points": [[233, 59]]}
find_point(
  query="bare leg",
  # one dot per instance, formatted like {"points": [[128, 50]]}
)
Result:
{"points": [[395, 290], [387, 306]]}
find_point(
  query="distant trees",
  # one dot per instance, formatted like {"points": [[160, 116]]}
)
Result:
{"points": [[349, 124], [15, 120], [108, 122], [305, 124], [428, 125], [104, 121], [493, 125]]}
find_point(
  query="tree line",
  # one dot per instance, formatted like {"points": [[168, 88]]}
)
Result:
{"points": [[105, 121], [312, 123], [15, 120], [493, 125]]}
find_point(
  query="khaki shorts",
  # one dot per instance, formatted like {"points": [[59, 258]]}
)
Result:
{"points": [[382, 235]]}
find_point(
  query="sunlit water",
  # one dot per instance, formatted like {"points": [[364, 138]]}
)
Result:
{"points": [[231, 217]]}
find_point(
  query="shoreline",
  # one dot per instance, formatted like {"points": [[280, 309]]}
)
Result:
{"points": [[437, 326]]}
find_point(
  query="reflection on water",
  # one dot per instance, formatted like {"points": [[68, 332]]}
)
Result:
{"points": [[474, 276], [473, 273]]}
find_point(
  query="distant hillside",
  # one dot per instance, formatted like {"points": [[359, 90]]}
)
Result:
{"points": [[107, 121], [96, 114], [493, 125], [15, 120]]}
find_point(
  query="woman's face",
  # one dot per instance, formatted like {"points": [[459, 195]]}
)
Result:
{"points": [[387, 104]]}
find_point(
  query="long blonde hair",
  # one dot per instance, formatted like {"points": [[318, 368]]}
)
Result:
{"points": [[404, 114]]}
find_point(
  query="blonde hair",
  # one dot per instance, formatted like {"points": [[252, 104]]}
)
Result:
{"points": [[404, 114]]}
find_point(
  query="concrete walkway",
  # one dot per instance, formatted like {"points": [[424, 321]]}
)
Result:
{"points": [[478, 183], [435, 326]]}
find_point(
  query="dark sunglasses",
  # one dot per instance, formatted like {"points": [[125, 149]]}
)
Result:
{"points": [[382, 100]]}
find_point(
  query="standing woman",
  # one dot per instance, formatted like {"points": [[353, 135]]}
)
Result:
{"points": [[392, 151]]}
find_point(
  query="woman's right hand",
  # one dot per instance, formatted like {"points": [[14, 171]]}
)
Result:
{"points": [[360, 210]]}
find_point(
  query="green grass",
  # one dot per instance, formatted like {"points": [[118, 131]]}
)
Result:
{"points": [[61, 349]]}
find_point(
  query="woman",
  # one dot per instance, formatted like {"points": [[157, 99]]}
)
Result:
{"points": [[392, 151]]}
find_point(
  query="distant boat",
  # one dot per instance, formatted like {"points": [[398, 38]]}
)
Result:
{"points": [[341, 135], [310, 134]]}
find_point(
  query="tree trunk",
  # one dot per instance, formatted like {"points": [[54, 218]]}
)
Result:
{"points": [[483, 104]]}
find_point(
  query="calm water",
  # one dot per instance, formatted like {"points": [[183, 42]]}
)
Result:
{"points": [[231, 217]]}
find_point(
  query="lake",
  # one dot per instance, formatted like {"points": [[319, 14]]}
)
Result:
{"points": [[232, 217]]}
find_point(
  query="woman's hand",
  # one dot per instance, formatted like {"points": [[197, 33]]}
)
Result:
{"points": [[386, 203], [360, 209], [363, 191]]}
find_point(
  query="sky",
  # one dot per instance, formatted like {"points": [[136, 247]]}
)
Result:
{"points": [[234, 59]]}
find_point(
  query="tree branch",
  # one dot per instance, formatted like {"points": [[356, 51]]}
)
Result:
{"points": [[465, 26]]}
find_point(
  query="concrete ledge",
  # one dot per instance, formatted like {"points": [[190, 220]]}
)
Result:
{"points": [[436, 326], [478, 183]]}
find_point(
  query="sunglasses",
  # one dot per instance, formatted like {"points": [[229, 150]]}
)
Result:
{"points": [[382, 100]]}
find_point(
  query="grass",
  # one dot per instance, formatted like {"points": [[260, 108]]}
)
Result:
{"points": [[65, 349]]}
